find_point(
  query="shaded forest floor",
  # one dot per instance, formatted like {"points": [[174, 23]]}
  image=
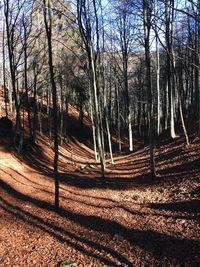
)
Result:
{"points": [[125, 220]]}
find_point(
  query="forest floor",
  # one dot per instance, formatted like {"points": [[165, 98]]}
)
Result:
{"points": [[125, 220]]}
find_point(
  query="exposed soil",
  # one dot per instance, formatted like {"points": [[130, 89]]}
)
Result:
{"points": [[125, 220]]}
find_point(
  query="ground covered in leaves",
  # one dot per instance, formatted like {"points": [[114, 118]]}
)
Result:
{"points": [[125, 220]]}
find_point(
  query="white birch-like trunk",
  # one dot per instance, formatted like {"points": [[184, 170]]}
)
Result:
{"points": [[97, 115], [10, 97], [109, 141], [39, 114], [158, 86], [167, 106], [172, 126], [118, 121], [93, 130], [130, 132]]}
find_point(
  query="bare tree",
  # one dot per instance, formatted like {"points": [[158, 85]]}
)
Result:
{"points": [[47, 11], [12, 12], [85, 26], [147, 9]]}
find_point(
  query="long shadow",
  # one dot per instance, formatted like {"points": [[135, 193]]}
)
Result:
{"points": [[61, 234], [35, 185], [193, 210], [83, 220], [161, 245], [196, 192], [113, 204], [36, 159], [110, 203], [191, 206], [75, 147], [117, 183], [183, 169], [169, 154], [185, 157], [174, 249], [16, 180], [115, 179]]}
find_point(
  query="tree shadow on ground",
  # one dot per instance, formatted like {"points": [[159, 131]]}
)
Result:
{"points": [[191, 206], [89, 178], [161, 246], [120, 176]]}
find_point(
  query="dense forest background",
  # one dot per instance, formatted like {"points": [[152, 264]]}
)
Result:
{"points": [[99, 133], [131, 67]]}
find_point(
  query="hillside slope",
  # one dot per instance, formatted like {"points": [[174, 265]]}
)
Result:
{"points": [[126, 220]]}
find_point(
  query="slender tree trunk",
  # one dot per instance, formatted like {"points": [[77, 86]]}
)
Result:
{"points": [[10, 39], [93, 127], [26, 84], [35, 102], [4, 73], [97, 116], [197, 63], [180, 108], [48, 28], [118, 118], [158, 86], [168, 37], [86, 34], [109, 140], [147, 27]]}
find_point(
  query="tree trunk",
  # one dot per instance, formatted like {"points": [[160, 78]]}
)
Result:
{"points": [[48, 28], [147, 27]]}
